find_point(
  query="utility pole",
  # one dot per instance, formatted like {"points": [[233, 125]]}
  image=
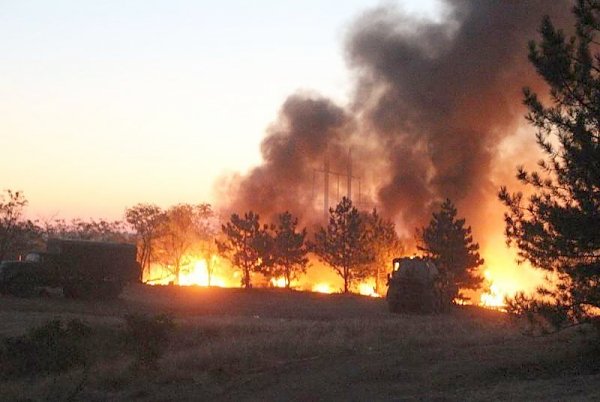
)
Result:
{"points": [[326, 173], [350, 173]]}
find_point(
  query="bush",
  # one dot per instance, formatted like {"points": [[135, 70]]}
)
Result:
{"points": [[148, 337], [50, 348]]}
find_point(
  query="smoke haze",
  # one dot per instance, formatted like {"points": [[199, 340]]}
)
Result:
{"points": [[432, 105]]}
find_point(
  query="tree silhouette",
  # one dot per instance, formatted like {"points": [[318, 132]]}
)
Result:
{"points": [[288, 249], [343, 244], [148, 221], [449, 245], [185, 225], [556, 227], [17, 235], [385, 245], [244, 244]]}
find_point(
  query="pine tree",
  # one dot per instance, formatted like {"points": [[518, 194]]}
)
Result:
{"points": [[244, 244], [288, 249], [449, 245], [343, 244], [557, 227]]}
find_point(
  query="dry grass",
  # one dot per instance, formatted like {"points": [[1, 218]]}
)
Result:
{"points": [[231, 344]]}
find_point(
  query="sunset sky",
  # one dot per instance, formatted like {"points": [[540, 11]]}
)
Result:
{"points": [[107, 104]]}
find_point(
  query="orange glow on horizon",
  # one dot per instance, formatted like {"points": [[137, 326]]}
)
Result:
{"points": [[503, 278]]}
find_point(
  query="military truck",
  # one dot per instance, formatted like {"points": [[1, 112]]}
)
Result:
{"points": [[412, 286], [83, 269]]}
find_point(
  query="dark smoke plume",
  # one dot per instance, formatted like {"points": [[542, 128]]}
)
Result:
{"points": [[433, 102], [306, 128]]}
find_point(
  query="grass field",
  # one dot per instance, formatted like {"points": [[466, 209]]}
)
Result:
{"points": [[233, 344]]}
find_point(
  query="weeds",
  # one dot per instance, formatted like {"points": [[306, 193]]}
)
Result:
{"points": [[148, 337], [48, 349]]}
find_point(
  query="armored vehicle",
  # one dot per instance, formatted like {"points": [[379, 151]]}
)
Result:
{"points": [[83, 269], [412, 286]]}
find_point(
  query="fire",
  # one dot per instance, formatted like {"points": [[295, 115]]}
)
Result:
{"points": [[495, 297], [367, 289], [198, 276], [503, 276], [194, 273], [501, 282], [278, 282], [323, 288]]}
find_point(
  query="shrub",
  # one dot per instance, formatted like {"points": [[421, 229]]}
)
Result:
{"points": [[148, 337], [50, 348]]}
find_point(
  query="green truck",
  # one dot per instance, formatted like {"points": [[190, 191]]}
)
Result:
{"points": [[83, 269], [412, 286]]}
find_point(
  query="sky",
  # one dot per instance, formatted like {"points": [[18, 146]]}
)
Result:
{"points": [[104, 104]]}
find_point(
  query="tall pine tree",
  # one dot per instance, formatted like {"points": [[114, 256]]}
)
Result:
{"points": [[449, 245], [344, 243], [557, 227], [244, 244], [287, 254]]}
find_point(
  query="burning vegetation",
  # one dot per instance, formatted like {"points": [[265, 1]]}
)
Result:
{"points": [[435, 104], [438, 147], [244, 252], [432, 109]]}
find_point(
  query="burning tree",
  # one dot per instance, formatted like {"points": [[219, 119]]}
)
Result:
{"points": [[449, 245], [556, 228], [184, 227], [148, 221], [288, 249], [343, 244], [245, 244]]}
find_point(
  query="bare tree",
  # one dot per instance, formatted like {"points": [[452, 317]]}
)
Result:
{"points": [[184, 227], [384, 245], [148, 221], [16, 234]]}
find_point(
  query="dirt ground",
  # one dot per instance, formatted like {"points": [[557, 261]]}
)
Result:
{"points": [[233, 344]]}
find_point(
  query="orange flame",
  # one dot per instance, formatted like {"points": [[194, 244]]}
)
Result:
{"points": [[323, 287], [367, 289]]}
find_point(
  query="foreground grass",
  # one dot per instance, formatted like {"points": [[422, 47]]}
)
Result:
{"points": [[232, 345]]}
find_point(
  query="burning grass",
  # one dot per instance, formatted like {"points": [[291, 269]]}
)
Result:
{"points": [[277, 344]]}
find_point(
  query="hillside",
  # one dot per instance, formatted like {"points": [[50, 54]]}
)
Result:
{"points": [[231, 344]]}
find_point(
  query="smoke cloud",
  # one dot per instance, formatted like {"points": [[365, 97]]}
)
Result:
{"points": [[433, 103], [307, 128]]}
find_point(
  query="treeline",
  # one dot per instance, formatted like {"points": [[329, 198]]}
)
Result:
{"points": [[357, 245], [166, 236], [18, 235]]}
